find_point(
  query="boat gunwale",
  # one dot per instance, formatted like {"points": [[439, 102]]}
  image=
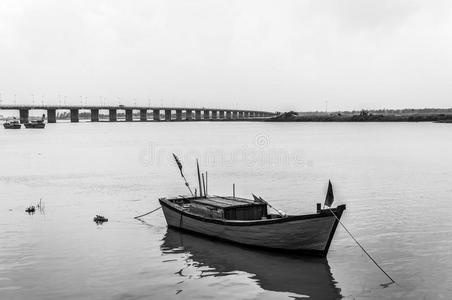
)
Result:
{"points": [[338, 211]]}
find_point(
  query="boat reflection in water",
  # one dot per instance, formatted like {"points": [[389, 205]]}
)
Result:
{"points": [[275, 272]]}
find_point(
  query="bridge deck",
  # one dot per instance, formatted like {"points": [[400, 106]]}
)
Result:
{"points": [[196, 114]]}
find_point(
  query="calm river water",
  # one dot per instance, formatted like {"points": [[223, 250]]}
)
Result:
{"points": [[395, 179]]}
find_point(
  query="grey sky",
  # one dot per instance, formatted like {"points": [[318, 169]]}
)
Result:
{"points": [[274, 55]]}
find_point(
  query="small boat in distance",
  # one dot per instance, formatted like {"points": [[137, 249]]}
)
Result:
{"points": [[14, 124], [36, 124]]}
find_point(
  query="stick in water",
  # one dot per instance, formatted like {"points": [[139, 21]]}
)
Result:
{"points": [[373, 260], [137, 217]]}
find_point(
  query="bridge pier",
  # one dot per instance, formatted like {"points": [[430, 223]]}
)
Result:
{"points": [[74, 115], [129, 115], [112, 115], [241, 115], [178, 114], [156, 114], [167, 114], [23, 115], [143, 115], [234, 115], [221, 114], [228, 114], [188, 114], [94, 115], [51, 115], [214, 114], [197, 114], [206, 115]]}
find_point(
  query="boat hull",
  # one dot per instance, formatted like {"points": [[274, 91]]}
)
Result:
{"points": [[307, 234], [34, 126], [14, 126]]}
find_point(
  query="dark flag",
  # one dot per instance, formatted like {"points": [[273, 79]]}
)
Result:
{"points": [[179, 164], [329, 195]]}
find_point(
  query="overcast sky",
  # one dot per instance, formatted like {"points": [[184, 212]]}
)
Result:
{"points": [[273, 55]]}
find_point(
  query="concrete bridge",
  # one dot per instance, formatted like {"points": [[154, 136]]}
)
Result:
{"points": [[158, 113]]}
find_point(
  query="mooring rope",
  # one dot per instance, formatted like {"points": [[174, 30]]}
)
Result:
{"points": [[373, 260], [137, 217]]}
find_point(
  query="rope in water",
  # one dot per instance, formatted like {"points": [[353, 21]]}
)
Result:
{"points": [[137, 217], [373, 260]]}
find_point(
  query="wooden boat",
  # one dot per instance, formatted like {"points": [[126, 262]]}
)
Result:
{"points": [[14, 124], [35, 124], [247, 222]]}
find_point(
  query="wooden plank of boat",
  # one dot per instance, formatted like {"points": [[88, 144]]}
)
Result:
{"points": [[309, 234], [223, 202]]}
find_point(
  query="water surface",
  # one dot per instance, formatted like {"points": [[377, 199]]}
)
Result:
{"points": [[394, 178]]}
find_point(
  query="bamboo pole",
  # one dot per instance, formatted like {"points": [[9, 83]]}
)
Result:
{"points": [[204, 185], [199, 179], [187, 185], [179, 164]]}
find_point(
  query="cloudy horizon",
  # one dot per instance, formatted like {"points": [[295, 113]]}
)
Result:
{"points": [[266, 55]]}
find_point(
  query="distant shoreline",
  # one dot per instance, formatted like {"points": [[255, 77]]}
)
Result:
{"points": [[362, 117]]}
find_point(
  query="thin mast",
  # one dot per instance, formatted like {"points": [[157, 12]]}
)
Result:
{"points": [[204, 185], [199, 179]]}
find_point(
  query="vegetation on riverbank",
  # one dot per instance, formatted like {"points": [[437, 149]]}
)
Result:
{"points": [[363, 116]]}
